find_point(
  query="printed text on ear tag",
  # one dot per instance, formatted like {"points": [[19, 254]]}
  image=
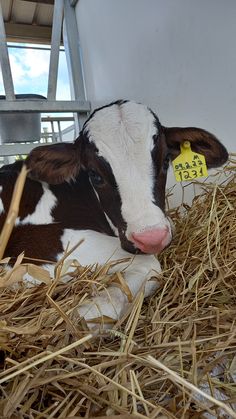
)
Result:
{"points": [[189, 165]]}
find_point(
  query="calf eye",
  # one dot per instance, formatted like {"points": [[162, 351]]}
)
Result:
{"points": [[95, 178]]}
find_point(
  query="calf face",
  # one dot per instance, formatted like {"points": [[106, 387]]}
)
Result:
{"points": [[125, 152]]}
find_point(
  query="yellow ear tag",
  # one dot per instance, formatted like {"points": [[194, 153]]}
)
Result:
{"points": [[189, 165]]}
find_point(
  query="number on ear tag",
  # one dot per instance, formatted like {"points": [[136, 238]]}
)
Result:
{"points": [[189, 165]]}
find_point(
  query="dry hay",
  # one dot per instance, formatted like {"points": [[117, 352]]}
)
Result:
{"points": [[158, 360]]}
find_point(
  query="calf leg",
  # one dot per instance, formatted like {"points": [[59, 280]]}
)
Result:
{"points": [[137, 271]]}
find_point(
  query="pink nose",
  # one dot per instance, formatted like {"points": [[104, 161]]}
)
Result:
{"points": [[152, 241]]}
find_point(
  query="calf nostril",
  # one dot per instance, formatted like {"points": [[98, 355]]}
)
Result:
{"points": [[153, 240]]}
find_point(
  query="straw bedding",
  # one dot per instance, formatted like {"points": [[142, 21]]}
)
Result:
{"points": [[159, 359]]}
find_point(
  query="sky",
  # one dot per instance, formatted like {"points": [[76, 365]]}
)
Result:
{"points": [[30, 72], [30, 69]]}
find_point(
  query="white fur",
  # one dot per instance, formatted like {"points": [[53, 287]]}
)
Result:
{"points": [[1, 203], [114, 229], [43, 210], [124, 137], [98, 248]]}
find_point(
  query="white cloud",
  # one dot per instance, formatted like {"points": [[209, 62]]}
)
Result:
{"points": [[27, 65], [30, 70], [17, 69], [35, 62]]}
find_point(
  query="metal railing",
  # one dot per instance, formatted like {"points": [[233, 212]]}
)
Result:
{"points": [[56, 134], [79, 106], [53, 135]]}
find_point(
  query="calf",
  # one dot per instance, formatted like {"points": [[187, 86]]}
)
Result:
{"points": [[108, 187]]}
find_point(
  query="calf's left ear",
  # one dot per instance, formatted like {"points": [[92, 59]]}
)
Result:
{"points": [[54, 163], [202, 142]]}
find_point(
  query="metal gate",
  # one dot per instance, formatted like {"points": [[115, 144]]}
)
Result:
{"points": [[64, 22]]}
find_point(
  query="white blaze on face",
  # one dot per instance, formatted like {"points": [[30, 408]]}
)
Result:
{"points": [[1, 203], [123, 134]]}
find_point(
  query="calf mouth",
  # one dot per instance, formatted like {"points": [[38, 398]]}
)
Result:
{"points": [[131, 247], [128, 245]]}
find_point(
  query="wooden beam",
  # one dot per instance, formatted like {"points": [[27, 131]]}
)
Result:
{"points": [[16, 32]]}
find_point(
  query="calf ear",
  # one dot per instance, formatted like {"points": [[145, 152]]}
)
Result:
{"points": [[54, 163], [202, 142]]}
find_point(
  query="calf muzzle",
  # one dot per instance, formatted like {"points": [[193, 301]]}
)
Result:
{"points": [[153, 240]]}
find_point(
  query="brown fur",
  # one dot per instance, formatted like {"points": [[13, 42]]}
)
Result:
{"points": [[31, 194], [54, 163], [202, 142], [37, 241]]}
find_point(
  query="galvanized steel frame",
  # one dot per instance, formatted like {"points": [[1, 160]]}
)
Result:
{"points": [[79, 105]]}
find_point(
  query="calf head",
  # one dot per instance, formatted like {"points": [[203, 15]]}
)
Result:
{"points": [[126, 152]]}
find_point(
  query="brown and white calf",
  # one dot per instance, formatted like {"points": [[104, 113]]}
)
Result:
{"points": [[108, 188]]}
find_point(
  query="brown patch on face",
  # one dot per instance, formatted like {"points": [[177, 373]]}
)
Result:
{"points": [[126, 244], [104, 183], [160, 159], [78, 207]]}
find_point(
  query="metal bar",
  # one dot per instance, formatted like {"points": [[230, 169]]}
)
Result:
{"points": [[57, 118], [44, 106], [33, 48], [45, 135], [72, 49], [55, 49], [59, 130], [53, 131], [5, 62], [68, 129]]}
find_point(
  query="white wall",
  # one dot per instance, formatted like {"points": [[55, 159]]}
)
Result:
{"points": [[177, 56]]}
